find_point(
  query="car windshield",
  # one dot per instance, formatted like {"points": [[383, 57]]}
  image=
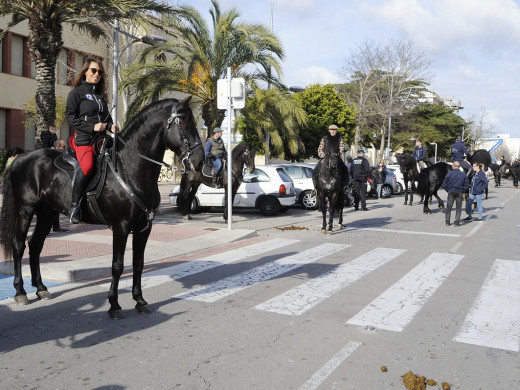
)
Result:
{"points": [[283, 175]]}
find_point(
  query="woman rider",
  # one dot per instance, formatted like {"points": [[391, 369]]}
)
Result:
{"points": [[87, 111]]}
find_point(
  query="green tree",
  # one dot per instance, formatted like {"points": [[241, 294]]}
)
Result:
{"points": [[430, 123], [324, 106], [200, 56], [46, 18], [273, 111]]}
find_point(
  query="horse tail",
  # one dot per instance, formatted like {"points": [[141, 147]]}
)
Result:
{"points": [[8, 217], [423, 182]]}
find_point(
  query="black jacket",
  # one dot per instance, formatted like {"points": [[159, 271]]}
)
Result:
{"points": [[86, 107], [48, 139], [360, 169]]}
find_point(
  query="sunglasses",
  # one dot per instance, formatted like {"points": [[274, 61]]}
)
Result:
{"points": [[94, 71]]}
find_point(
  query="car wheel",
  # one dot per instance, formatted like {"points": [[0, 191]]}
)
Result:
{"points": [[386, 191], [269, 205], [308, 199]]}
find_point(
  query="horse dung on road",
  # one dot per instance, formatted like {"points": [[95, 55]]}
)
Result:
{"points": [[33, 185]]}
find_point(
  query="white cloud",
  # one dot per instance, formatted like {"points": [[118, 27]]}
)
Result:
{"points": [[314, 75]]}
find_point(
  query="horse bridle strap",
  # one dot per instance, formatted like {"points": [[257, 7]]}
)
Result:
{"points": [[150, 213]]}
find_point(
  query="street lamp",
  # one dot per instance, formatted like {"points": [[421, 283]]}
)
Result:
{"points": [[435, 143], [147, 39]]}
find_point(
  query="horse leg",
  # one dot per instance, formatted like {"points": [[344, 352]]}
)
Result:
{"points": [[322, 206], [439, 200], [332, 201], [22, 226], [43, 227], [405, 192], [426, 209], [138, 246], [120, 237], [412, 190], [340, 203]]}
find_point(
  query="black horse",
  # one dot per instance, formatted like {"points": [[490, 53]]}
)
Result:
{"points": [[242, 156], [127, 202], [408, 165], [329, 178], [429, 181]]}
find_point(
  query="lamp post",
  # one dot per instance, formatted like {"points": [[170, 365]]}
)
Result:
{"points": [[435, 143], [147, 39]]}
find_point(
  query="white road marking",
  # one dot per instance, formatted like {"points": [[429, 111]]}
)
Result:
{"points": [[397, 306], [407, 232], [494, 318], [300, 299], [227, 286], [479, 225], [324, 372], [456, 247], [167, 274]]}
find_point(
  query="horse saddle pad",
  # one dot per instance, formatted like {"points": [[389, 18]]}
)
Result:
{"points": [[70, 166]]}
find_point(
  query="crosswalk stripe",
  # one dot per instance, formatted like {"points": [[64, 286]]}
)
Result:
{"points": [[494, 318], [163, 275], [397, 306], [300, 299], [227, 286], [323, 373]]}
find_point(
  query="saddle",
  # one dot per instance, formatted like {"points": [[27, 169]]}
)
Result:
{"points": [[68, 163], [207, 169]]}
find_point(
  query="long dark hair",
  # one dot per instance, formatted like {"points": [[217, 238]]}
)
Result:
{"points": [[101, 85]]}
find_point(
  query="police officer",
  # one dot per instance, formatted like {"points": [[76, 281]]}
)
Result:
{"points": [[360, 171]]}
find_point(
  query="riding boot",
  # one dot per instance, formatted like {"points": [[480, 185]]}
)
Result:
{"points": [[214, 175], [80, 182]]}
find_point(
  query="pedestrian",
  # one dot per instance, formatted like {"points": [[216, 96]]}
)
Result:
{"points": [[458, 150], [360, 172], [479, 183], [385, 170], [48, 137], [377, 178], [13, 154], [420, 154], [87, 111], [60, 145], [456, 184], [215, 151]]}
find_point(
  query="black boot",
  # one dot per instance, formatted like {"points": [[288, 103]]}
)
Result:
{"points": [[214, 175], [80, 182]]}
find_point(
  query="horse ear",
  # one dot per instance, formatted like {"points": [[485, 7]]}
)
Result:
{"points": [[186, 102]]}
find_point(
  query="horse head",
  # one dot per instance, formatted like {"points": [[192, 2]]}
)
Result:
{"points": [[249, 158], [182, 135], [243, 155]]}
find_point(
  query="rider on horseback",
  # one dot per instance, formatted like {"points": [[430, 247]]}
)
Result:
{"points": [[419, 153], [87, 111], [215, 152], [458, 150], [333, 138]]}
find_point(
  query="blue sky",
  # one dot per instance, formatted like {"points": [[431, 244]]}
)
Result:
{"points": [[474, 44]]}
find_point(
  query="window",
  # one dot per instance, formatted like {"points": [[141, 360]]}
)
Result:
{"points": [[17, 55], [256, 176]]}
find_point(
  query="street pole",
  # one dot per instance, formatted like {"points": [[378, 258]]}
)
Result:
{"points": [[267, 136], [115, 85], [229, 160], [390, 120]]}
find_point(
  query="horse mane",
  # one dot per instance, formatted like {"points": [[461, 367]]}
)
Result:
{"points": [[143, 116], [407, 158], [240, 148], [329, 143]]}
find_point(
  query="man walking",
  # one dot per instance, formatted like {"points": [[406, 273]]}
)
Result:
{"points": [[360, 171], [455, 183], [479, 183]]}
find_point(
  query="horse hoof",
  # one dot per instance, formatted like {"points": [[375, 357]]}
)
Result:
{"points": [[44, 294], [323, 231], [427, 212], [410, 204], [185, 218], [340, 226], [441, 207], [116, 314], [190, 217], [21, 299], [329, 231], [405, 203], [143, 309]]}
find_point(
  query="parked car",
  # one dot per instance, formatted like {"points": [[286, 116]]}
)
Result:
{"points": [[390, 186], [301, 175], [267, 188], [397, 171]]}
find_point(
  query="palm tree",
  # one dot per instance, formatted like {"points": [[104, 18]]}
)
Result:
{"points": [[198, 57], [46, 18]]}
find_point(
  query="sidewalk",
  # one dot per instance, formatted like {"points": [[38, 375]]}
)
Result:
{"points": [[85, 251]]}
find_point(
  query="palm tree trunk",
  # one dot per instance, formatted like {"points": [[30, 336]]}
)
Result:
{"points": [[44, 46]]}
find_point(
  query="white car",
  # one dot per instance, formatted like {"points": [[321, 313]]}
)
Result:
{"points": [[267, 188], [399, 176], [301, 175]]}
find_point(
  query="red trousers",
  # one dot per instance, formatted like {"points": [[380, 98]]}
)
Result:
{"points": [[85, 155]]}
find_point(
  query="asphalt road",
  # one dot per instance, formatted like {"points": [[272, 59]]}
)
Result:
{"points": [[294, 309]]}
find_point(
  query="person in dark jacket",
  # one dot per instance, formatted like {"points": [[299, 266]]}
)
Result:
{"points": [[458, 150], [456, 184], [377, 178], [360, 172], [419, 153], [215, 151], [48, 137], [87, 111], [479, 183]]}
